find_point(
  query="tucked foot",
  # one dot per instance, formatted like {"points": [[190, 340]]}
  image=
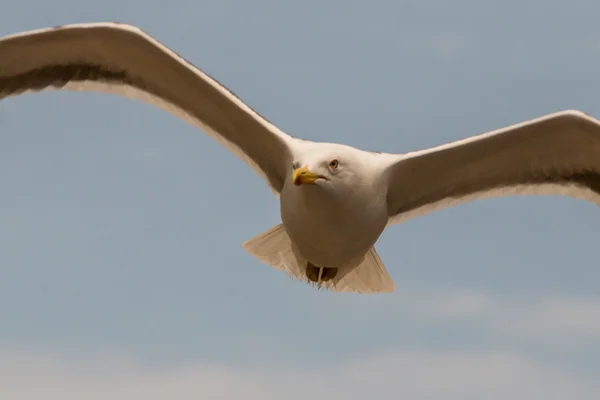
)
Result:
{"points": [[328, 274], [312, 272]]}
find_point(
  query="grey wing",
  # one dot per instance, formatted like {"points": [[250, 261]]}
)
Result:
{"points": [[558, 154], [123, 60]]}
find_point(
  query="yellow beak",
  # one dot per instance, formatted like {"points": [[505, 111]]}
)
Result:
{"points": [[302, 176]]}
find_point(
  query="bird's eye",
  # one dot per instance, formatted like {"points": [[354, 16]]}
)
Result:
{"points": [[333, 164]]}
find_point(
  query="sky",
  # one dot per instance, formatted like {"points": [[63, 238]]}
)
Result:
{"points": [[122, 271]]}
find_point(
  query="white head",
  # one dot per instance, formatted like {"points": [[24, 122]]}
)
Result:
{"points": [[331, 167]]}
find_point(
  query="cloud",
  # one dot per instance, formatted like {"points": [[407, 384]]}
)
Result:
{"points": [[503, 367], [26, 376], [497, 374], [553, 320], [524, 321], [581, 315], [567, 323]]}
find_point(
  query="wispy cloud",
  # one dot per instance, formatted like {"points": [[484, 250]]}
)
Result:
{"points": [[498, 374], [550, 318], [547, 319]]}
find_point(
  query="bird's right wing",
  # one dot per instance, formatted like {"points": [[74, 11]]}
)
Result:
{"points": [[123, 60], [556, 154]]}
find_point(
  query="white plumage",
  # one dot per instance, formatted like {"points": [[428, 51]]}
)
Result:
{"points": [[335, 200]]}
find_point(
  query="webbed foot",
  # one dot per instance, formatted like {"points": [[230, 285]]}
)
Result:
{"points": [[328, 274], [312, 273]]}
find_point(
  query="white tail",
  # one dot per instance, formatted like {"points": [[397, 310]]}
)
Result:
{"points": [[274, 247]]}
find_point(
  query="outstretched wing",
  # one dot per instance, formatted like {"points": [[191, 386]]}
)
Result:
{"points": [[558, 154], [123, 60]]}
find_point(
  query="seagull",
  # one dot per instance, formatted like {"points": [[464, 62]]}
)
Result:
{"points": [[335, 200]]}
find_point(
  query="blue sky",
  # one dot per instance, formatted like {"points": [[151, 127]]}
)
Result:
{"points": [[122, 271]]}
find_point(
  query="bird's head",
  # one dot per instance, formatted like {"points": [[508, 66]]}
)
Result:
{"points": [[329, 166]]}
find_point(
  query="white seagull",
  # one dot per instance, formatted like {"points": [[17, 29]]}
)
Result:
{"points": [[335, 200]]}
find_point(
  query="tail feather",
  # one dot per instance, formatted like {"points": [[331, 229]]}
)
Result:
{"points": [[370, 276], [275, 248]]}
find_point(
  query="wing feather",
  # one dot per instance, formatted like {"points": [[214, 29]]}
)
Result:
{"points": [[123, 60], [557, 154]]}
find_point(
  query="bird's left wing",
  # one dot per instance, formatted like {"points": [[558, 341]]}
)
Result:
{"points": [[123, 60], [558, 154]]}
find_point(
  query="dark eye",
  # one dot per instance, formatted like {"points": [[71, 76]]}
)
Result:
{"points": [[334, 164]]}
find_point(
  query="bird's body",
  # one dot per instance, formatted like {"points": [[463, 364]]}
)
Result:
{"points": [[335, 200], [330, 223]]}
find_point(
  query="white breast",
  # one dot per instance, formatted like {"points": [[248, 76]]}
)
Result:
{"points": [[330, 231]]}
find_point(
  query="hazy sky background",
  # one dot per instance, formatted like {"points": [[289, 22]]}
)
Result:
{"points": [[122, 274]]}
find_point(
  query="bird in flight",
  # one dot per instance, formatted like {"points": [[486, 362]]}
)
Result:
{"points": [[335, 200]]}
